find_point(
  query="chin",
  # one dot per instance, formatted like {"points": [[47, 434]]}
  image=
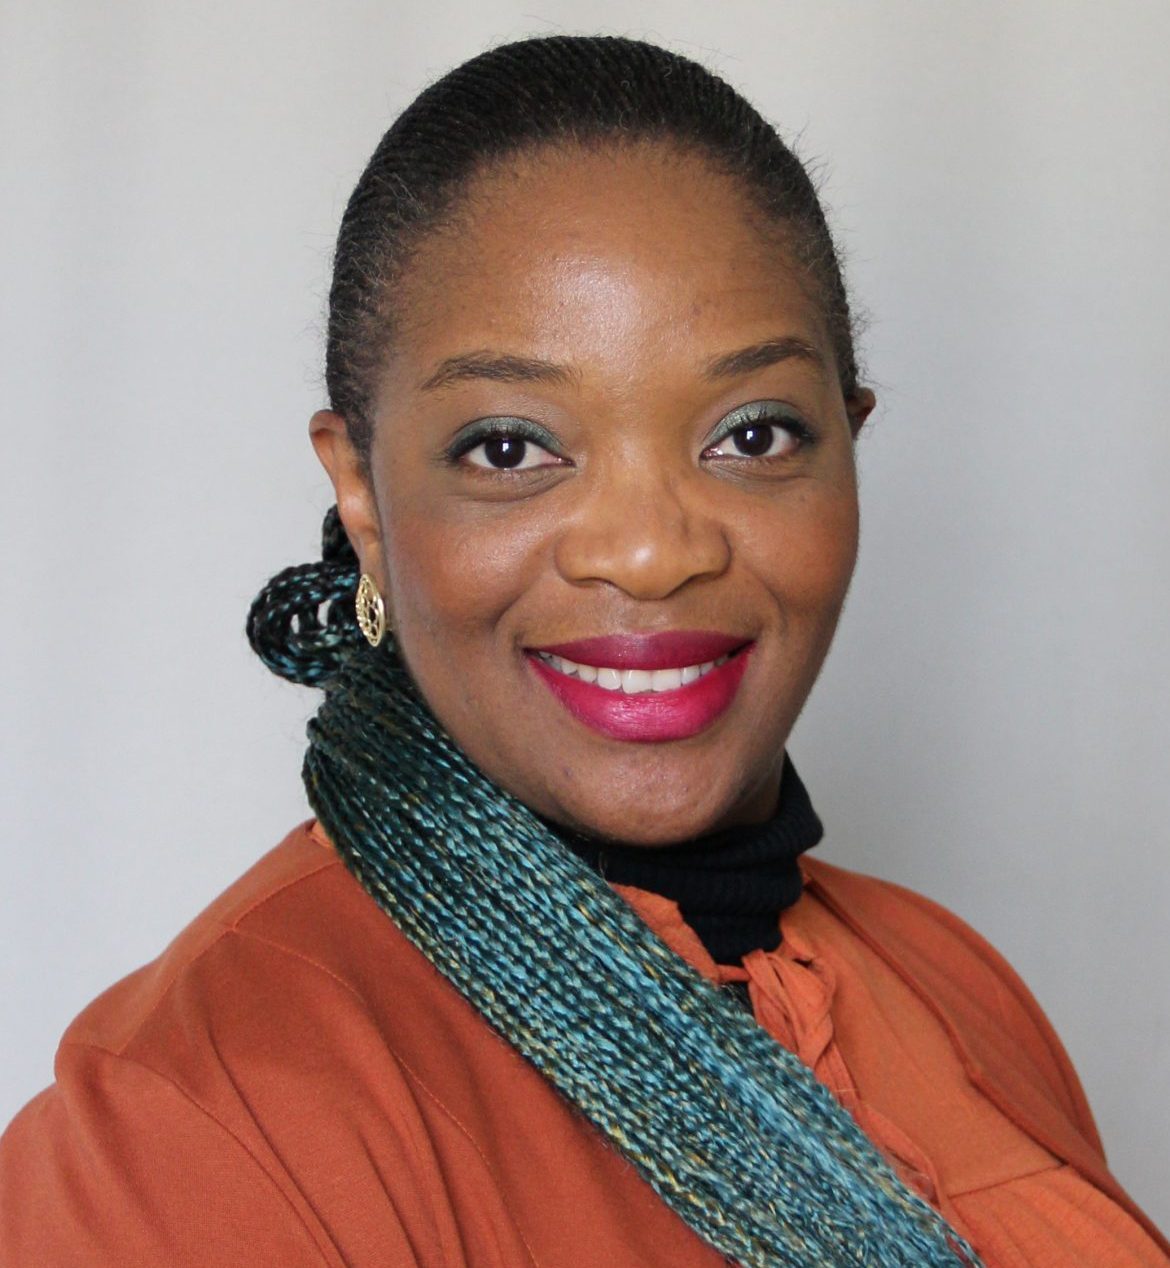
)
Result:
{"points": [[639, 793], [653, 814]]}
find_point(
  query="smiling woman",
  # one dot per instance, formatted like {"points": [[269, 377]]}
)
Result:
{"points": [[548, 978]]}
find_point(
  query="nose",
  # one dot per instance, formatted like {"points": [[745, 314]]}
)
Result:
{"points": [[648, 535]]}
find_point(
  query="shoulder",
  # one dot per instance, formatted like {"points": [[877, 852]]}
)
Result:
{"points": [[908, 921], [205, 962], [292, 988], [215, 1081], [293, 951], [996, 1022]]}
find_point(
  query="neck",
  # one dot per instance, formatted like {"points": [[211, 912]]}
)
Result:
{"points": [[730, 885]]}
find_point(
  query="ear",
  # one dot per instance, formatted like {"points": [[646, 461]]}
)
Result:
{"points": [[354, 492], [859, 406]]}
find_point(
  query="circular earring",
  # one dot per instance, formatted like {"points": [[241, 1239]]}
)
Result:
{"points": [[370, 609]]}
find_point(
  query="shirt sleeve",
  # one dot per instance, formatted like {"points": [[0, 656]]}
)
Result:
{"points": [[116, 1165]]}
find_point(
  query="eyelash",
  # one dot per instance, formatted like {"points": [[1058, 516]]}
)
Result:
{"points": [[500, 429], [755, 414], [762, 414]]}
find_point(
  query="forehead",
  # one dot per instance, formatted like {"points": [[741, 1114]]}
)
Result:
{"points": [[608, 259]]}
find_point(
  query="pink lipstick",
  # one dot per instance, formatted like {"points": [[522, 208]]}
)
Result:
{"points": [[645, 688]]}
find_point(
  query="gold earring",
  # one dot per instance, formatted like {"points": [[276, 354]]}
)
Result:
{"points": [[371, 611]]}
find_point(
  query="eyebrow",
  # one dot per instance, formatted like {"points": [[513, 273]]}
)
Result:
{"points": [[501, 367], [506, 368], [758, 356]]}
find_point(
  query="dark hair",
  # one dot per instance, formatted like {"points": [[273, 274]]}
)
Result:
{"points": [[586, 90], [559, 89]]}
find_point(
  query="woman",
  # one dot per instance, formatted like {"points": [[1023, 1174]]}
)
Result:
{"points": [[548, 978]]}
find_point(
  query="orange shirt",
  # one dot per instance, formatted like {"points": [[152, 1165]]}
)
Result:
{"points": [[291, 1083]]}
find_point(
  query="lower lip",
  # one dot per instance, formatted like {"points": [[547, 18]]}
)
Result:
{"points": [[648, 717]]}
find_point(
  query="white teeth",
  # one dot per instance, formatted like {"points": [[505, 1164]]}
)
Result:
{"points": [[633, 681], [666, 680]]}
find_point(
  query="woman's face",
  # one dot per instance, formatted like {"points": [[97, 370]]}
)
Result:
{"points": [[610, 451]]}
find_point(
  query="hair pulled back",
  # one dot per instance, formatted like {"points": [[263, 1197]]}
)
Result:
{"points": [[555, 90]]}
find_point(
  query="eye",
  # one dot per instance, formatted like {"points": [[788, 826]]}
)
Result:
{"points": [[755, 440], [762, 429], [504, 444], [509, 453]]}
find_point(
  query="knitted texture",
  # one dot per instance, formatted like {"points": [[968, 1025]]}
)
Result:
{"points": [[730, 1129]]}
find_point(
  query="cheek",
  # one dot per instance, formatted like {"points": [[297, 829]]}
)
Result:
{"points": [[805, 549], [452, 575]]}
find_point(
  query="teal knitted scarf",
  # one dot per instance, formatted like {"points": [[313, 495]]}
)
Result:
{"points": [[730, 1129]]}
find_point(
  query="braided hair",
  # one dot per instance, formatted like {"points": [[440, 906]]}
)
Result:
{"points": [[516, 98], [731, 1129]]}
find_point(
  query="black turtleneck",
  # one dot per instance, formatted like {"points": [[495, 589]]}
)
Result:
{"points": [[731, 886]]}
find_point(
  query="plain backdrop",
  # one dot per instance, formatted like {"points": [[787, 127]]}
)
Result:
{"points": [[993, 724]]}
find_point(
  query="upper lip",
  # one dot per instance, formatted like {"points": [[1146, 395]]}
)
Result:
{"points": [[670, 649]]}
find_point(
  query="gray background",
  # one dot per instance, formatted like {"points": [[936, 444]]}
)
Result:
{"points": [[992, 726]]}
